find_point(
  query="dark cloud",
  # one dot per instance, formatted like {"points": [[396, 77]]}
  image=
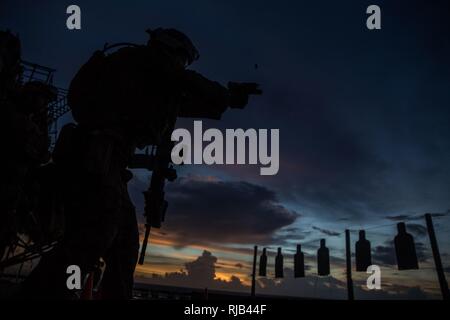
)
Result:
{"points": [[422, 251], [384, 255], [401, 217], [327, 232], [206, 210], [200, 273], [291, 236], [417, 230], [441, 214], [412, 217], [203, 269]]}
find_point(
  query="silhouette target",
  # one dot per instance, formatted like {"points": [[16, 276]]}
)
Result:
{"points": [[405, 249], [323, 259], [263, 264], [363, 254], [299, 263], [279, 264]]}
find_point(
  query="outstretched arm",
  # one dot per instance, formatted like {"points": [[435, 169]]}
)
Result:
{"points": [[204, 98]]}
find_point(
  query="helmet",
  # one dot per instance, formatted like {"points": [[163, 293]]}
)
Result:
{"points": [[176, 42]]}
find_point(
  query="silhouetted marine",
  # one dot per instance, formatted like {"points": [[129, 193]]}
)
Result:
{"points": [[120, 101], [137, 87], [24, 136]]}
